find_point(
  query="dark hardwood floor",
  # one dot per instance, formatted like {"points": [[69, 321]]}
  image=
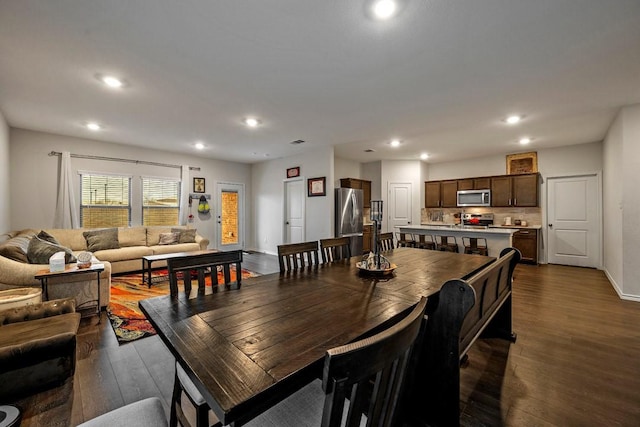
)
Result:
{"points": [[576, 361]]}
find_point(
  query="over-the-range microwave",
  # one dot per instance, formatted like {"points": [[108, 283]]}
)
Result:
{"points": [[474, 198]]}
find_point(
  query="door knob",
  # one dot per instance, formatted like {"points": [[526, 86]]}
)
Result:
{"points": [[287, 222], [550, 225]]}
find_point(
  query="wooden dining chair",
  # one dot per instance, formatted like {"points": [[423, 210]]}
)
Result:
{"points": [[335, 249], [385, 241], [296, 256], [204, 265], [446, 244], [405, 240], [424, 241], [369, 374]]}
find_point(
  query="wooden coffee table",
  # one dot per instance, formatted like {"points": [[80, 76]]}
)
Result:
{"points": [[70, 270], [147, 260]]}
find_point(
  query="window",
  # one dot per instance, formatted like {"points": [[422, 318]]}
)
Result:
{"points": [[106, 200], [160, 201]]}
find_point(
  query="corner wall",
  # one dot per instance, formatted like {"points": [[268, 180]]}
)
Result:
{"points": [[631, 202], [5, 188]]}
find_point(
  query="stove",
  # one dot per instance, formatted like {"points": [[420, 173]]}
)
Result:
{"points": [[477, 219]]}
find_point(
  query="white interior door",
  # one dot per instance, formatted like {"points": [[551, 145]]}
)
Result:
{"points": [[294, 198], [573, 214], [230, 216], [399, 204]]}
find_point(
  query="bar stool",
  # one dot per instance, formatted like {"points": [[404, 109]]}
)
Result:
{"points": [[446, 243], [424, 241], [471, 245], [404, 240]]}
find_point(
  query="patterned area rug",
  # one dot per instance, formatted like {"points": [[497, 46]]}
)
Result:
{"points": [[127, 320]]}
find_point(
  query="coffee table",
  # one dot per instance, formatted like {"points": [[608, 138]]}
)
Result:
{"points": [[70, 270], [147, 260]]}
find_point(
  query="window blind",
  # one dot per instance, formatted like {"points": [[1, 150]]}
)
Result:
{"points": [[105, 200], [160, 201]]}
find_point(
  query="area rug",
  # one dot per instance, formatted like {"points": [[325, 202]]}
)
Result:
{"points": [[127, 320]]}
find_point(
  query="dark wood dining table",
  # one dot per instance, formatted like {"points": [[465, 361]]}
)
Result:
{"points": [[247, 349]]}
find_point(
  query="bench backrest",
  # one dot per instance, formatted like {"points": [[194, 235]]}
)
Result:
{"points": [[203, 265]]}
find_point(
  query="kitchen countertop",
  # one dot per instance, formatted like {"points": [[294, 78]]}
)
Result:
{"points": [[516, 227], [458, 228]]}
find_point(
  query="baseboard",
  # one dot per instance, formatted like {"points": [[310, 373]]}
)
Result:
{"points": [[618, 290]]}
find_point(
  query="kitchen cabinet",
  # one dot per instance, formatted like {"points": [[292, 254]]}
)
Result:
{"points": [[359, 184], [526, 241], [367, 235], [514, 190], [474, 183], [440, 194]]}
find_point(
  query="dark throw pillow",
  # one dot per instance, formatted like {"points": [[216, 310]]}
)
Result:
{"points": [[185, 235], [16, 248], [168, 238], [43, 245], [98, 240]]}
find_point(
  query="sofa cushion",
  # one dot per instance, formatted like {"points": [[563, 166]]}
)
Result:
{"points": [[153, 234], [185, 235], [43, 245], [132, 236], [168, 238], [179, 247], [16, 248], [98, 240], [124, 254]]}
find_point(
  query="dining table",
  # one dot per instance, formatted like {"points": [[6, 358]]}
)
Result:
{"points": [[247, 349]]}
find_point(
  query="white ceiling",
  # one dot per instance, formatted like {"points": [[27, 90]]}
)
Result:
{"points": [[440, 76]]}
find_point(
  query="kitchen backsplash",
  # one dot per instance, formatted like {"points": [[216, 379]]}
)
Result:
{"points": [[533, 216]]}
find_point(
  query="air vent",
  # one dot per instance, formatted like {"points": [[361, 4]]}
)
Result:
{"points": [[297, 142], [369, 150]]}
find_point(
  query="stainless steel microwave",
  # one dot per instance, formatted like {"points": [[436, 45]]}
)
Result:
{"points": [[474, 198]]}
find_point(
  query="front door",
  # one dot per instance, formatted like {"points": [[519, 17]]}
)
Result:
{"points": [[573, 214], [294, 223], [230, 216], [399, 204]]}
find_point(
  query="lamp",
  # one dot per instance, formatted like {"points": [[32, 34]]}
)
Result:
{"points": [[376, 217]]}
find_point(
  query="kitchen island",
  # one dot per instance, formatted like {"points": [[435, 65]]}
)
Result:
{"points": [[497, 238]]}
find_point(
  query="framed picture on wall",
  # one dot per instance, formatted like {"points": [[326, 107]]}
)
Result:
{"points": [[317, 187], [293, 172], [198, 185]]}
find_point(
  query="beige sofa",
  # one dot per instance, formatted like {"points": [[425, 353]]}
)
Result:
{"points": [[134, 243]]}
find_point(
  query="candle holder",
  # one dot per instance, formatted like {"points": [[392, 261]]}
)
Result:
{"points": [[376, 218]]}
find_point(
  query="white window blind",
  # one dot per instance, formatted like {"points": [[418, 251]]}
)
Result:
{"points": [[105, 200], [160, 201]]}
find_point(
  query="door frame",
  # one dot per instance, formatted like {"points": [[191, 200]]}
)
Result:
{"points": [[285, 183], [220, 185], [545, 212]]}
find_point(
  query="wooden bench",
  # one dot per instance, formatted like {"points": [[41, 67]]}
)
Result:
{"points": [[458, 315], [203, 265]]}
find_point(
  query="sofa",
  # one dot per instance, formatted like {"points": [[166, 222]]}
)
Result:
{"points": [[37, 347], [132, 243]]}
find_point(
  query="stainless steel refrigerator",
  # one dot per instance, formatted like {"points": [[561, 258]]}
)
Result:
{"points": [[349, 207]]}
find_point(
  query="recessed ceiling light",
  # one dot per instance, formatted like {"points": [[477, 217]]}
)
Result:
{"points": [[384, 9], [512, 120], [252, 122], [424, 156], [395, 143], [111, 81], [93, 126], [524, 140], [199, 145]]}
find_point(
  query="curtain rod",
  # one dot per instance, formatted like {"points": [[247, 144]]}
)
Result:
{"points": [[116, 159]]}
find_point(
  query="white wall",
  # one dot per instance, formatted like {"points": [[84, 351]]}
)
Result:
{"points": [[631, 201], [33, 199], [612, 199], [344, 168], [5, 188], [268, 179], [372, 171]]}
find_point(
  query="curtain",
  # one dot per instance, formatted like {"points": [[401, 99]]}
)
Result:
{"points": [[66, 215], [184, 195]]}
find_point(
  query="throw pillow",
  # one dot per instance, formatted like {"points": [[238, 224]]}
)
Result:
{"points": [[168, 238], [43, 245], [98, 240], [185, 235], [16, 248]]}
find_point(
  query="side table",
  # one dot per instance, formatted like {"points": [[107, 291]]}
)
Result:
{"points": [[71, 270]]}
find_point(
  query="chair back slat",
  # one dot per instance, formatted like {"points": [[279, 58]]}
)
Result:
{"points": [[335, 249], [385, 241], [204, 265], [297, 256], [371, 374]]}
